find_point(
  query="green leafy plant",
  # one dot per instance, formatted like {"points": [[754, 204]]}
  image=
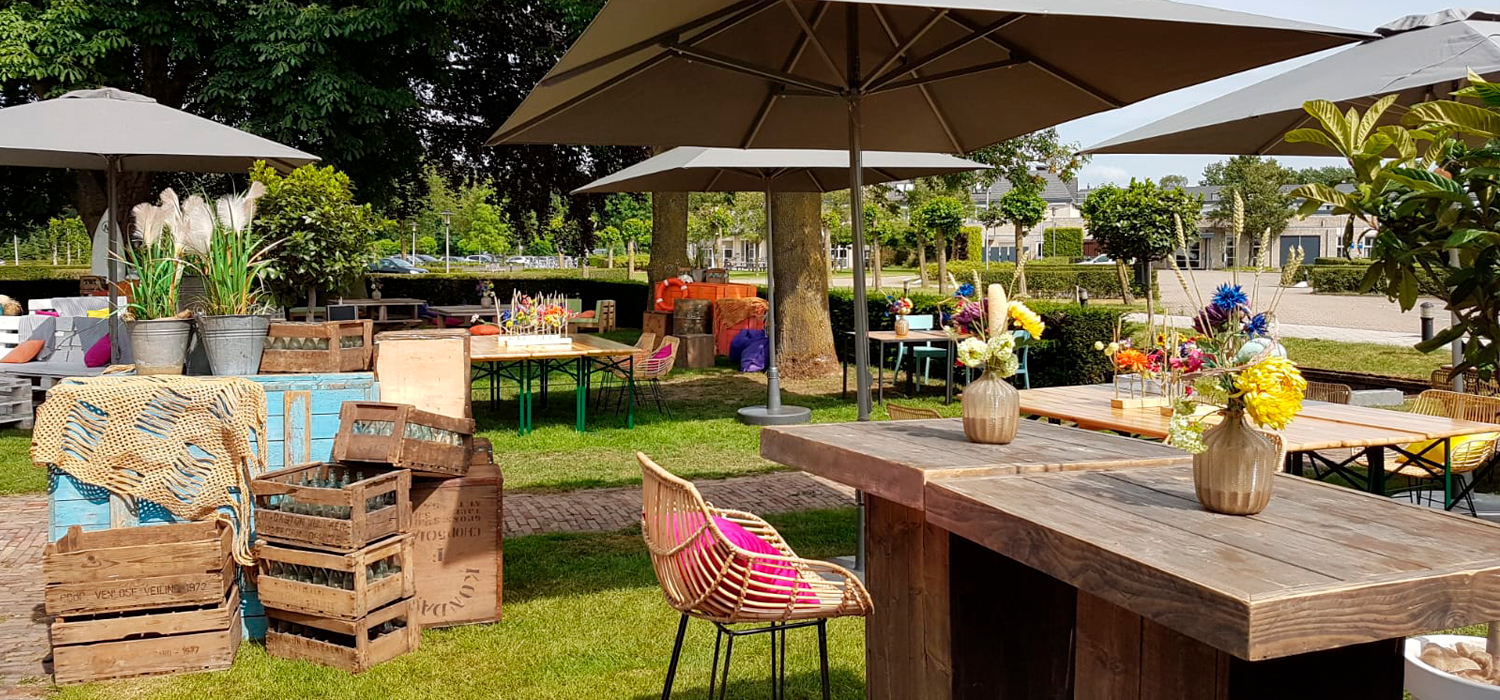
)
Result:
{"points": [[325, 237], [237, 256], [1138, 222], [942, 217]]}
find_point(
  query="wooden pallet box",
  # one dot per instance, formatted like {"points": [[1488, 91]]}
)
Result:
{"points": [[354, 506], [302, 413], [147, 643], [91, 573], [332, 346], [403, 436], [354, 646], [457, 527], [347, 586]]}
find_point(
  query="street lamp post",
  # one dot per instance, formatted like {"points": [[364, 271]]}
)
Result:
{"points": [[447, 241]]}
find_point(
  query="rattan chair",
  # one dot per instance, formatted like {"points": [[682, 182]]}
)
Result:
{"points": [[649, 370], [1466, 460], [1442, 378], [1331, 393], [703, 574], [644, 345], [910, 413]]}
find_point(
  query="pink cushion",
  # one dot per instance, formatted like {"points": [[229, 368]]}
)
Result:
{"points": [[45, 313], [703, 560], [663, 353], [98, 354]]}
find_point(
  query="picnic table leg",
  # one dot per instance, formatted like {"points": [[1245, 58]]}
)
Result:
{"points": [[906, 636], [630, 398], [1375, 457], [1448, 499], [949, 398], [580, 395], [880, 382]]}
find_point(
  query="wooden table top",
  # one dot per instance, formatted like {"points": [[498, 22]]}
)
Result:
{"points": [[910, 337], [896, 459], [1321, 426], [487, 348], [1322, 567], [383, 301], [457, 310]]}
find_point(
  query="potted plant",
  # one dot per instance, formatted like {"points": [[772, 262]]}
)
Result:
{"points": [[159, 332], [234, 321], [982, 328]]}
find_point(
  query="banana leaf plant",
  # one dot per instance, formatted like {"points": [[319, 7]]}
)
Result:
{"points": [[1430, 189]]}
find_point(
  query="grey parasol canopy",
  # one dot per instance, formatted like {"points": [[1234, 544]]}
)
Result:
{"points": [[694, 169], [1419, 58], [117, 131], [945, 76]]}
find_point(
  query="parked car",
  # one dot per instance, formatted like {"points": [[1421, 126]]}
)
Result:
{"points": [[481, 258], [515, 260], [425, 258], [395, 265], [1099, 260]]}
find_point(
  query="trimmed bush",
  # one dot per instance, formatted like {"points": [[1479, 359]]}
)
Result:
{"points": [[1047, 281], [1340, 261], [1346, 279], [460, 288], [622, 261], [1062, 242]]}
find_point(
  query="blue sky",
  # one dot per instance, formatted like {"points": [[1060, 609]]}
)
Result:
{"points": [[1350, 14]]}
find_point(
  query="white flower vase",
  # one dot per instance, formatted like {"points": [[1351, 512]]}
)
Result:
{"points": [[992, 410]]}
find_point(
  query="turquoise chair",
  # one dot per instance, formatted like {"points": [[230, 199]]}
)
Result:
{"points": [[1023, 353], [924, 322]]}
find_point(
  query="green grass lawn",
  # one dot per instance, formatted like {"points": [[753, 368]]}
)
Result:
{"points": [[583, 620], [17, 474], [1370, 358]]}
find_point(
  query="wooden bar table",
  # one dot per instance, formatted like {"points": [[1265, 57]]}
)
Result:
{"points": [[906, 562], [585, 353], [1368, 432], [381, 307], [880, 339], [1119, 586]]}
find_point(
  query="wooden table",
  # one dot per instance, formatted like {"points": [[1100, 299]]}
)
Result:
{"points": [[894, 462], [586, 354], [464, 312], [880, 339], [382, 306], [1369, 432], [1119, 585]]}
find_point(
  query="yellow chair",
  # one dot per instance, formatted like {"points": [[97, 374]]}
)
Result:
{"points": [[1470, 453], [704, 573]]}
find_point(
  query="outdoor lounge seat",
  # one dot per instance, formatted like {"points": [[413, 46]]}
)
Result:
{"points": [[1468, 457], [706, 569]]}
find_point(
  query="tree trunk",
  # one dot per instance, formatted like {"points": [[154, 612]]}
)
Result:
{"points": [[312, 302], [1124, 282], [875, 262], [1019, 286], [942, 266], [630, 257], [804, 330], [611, 257], [922, 263], [669, 217]]}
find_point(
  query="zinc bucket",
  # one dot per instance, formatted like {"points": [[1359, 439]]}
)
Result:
{"points": [[160, 345], [234, 343]]}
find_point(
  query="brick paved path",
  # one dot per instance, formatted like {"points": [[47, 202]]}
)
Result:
{"points": [[23, 527]]}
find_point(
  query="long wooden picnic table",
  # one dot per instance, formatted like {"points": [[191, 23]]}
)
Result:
{"points": [[1369, 432], [1119, 585], [894, 463], [585, 353]]}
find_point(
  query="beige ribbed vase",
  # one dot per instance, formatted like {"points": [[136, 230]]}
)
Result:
{"points": [[992, 410], [1234, 475]]}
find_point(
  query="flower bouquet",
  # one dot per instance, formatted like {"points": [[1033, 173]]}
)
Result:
{"points": [[532, 321], [983, 329], [900, 308]]}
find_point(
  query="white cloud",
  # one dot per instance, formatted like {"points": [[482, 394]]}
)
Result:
{"points": [[1095, 174]]}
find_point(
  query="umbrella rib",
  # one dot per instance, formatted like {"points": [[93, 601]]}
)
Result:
{"points": [[574, 101], [949, 75], [812, 36], [890, 34], [1046, 67], [717, 174], [876, 82], [734, 14], [903, 47], [764, 112], [1296, 123], [730, 63]]}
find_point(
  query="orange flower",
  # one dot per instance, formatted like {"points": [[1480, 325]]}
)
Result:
{"points": [[1131, 360]]}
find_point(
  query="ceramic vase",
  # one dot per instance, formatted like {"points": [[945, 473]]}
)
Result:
{"points": [[992, 410], [902, 327], [1234, 475]]}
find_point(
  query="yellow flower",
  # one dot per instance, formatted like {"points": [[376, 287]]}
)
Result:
{"points": [[1027, 319], [1272, 390]]}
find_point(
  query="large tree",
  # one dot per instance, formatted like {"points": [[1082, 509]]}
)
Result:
{"points": [[941, 217], [1025, 208], [1138, 223], [1258, 182], [804, 332]]}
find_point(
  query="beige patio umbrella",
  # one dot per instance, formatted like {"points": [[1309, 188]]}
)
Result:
{"points": [[691, 169], [118, 131], [945, 76]]}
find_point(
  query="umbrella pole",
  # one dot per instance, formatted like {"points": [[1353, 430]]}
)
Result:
{"points": [[111, 194], [857, 224], [773, 375]]}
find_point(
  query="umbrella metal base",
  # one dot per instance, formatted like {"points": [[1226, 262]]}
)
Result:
{"points": [[785, 415]]}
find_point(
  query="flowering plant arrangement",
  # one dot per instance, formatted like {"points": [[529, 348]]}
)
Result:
{"points": [[529, 315], [485, 289], [983, 328], [898, 307]]}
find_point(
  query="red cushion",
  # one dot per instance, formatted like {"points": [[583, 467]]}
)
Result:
{"points": [[587, 314], [25, 352]]}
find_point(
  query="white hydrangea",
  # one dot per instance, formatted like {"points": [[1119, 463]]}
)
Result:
{"points": [[973, 353]]}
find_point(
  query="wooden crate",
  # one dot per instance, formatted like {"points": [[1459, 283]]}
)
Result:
{"points": [[334, 346], [147, 643], [695, 350], [657, 322], [90, 573], [390, 433], [353, 596], [372, 504], [457, 527], [344, 644]]}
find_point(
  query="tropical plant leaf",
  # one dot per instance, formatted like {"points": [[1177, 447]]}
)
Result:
{"points": [[1459, 116], [1327, 114], [1401, 140], [1317, 136], [1481, 89], [1372, 117]]}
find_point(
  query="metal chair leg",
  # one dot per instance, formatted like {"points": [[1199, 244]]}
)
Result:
{"points": [[713, 673], [823, 655], [666, 691], [774, 696], [728, 653]]}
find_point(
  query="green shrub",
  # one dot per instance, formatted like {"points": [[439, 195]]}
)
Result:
{"points": [[642, 261], [11, 273], [1346, 279], [974, 242], [461, 288], [1047, 281], [1064, 356], [1340, 261], [1062, 243]]}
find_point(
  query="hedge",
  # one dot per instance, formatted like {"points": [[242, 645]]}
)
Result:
{"points": [[1048, 281], [622, 261], [1062, 242], [1344, 279], [460, 288], [1064, 356]]}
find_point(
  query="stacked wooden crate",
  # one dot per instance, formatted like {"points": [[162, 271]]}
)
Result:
{"points": [[141, 601], [335, 563]]}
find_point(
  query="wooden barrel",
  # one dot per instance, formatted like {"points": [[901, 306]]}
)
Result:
{"points": [[691, 316]]}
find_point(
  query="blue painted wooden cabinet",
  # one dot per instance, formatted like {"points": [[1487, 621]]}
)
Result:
{"points": [[302, 418]]}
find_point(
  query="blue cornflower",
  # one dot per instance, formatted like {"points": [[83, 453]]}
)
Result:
{"points": [[966, 290], [1230, 297], [1258, 326]]}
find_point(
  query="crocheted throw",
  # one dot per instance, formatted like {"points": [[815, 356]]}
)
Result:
{"points": [[190, 444]]}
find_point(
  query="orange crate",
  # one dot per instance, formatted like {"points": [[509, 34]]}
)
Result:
{"points": [[706, 290]]}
